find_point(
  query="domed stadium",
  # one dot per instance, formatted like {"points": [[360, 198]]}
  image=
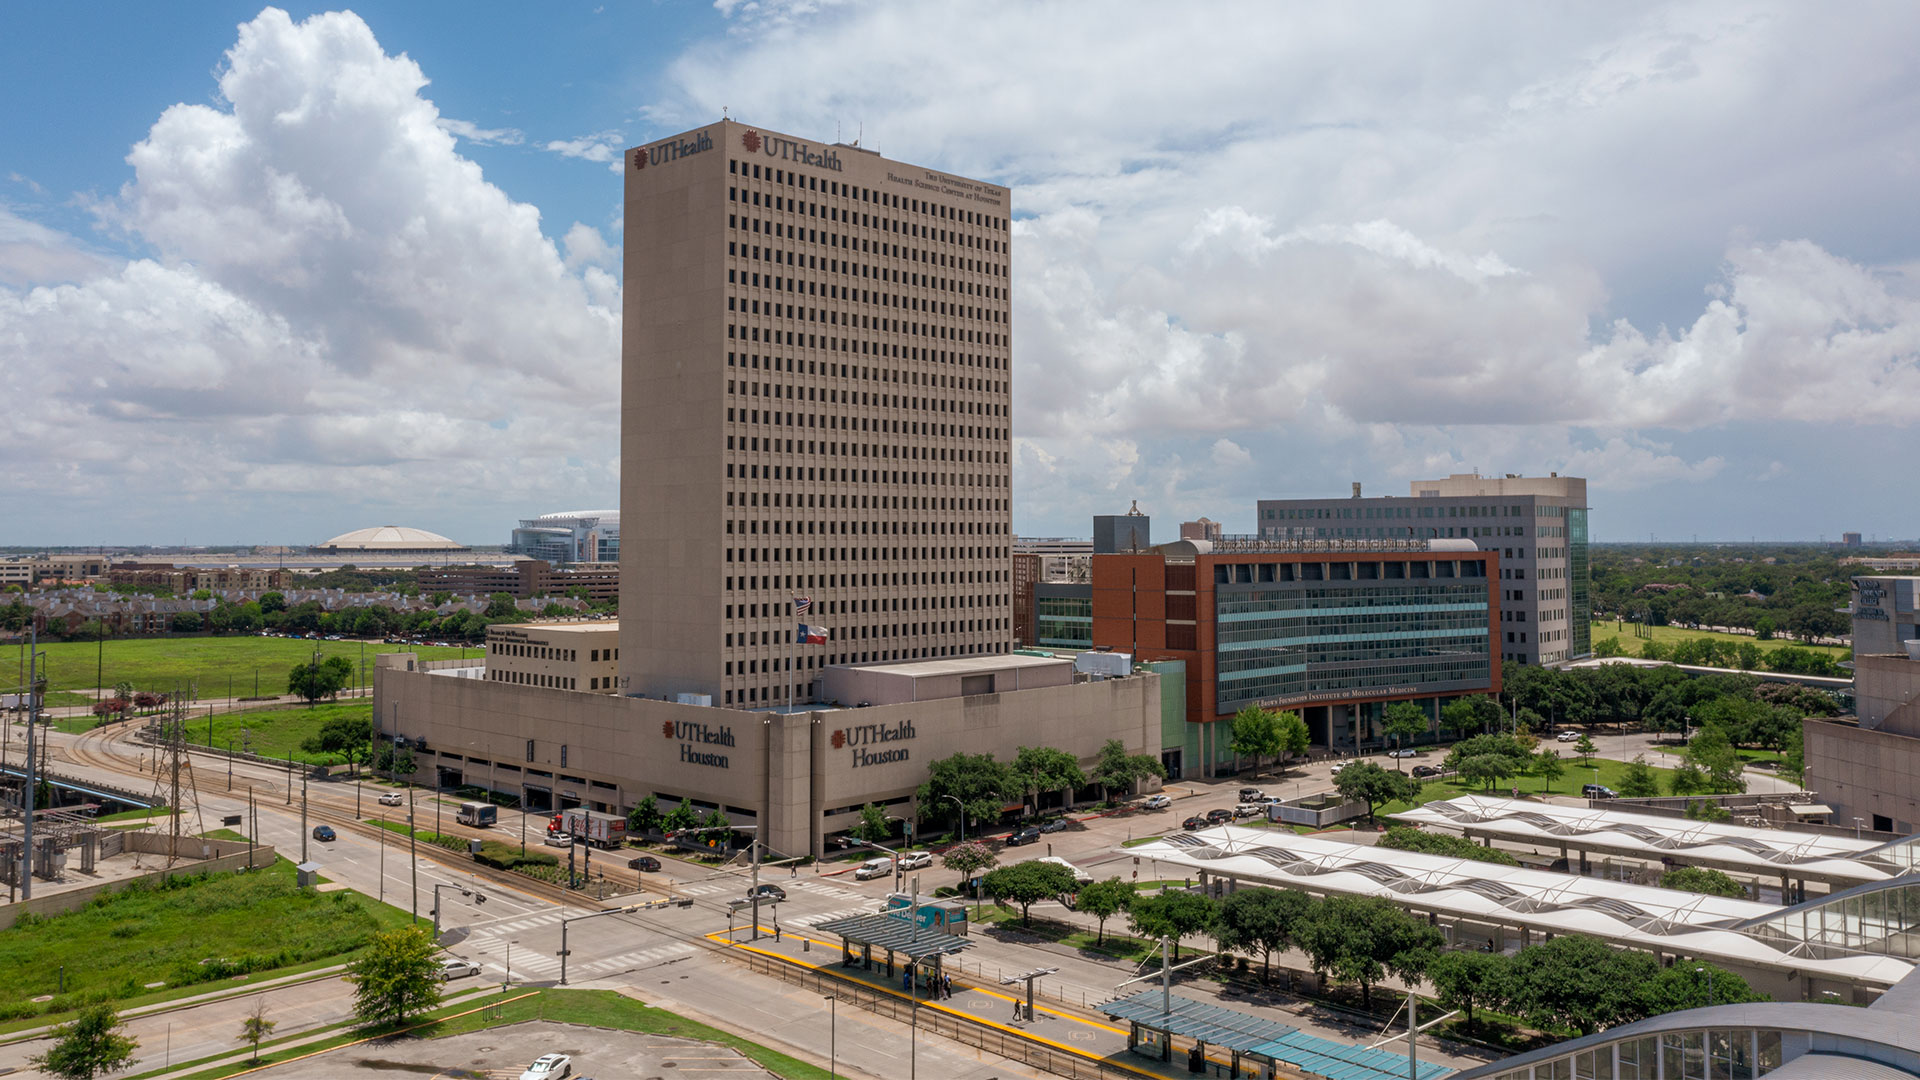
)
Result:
{"points": [[389, 540]]}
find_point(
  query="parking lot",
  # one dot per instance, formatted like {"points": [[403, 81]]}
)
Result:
{"points": [[503, 1053]]}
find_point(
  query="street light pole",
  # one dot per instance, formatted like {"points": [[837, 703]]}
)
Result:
{"points": [[963, 815], [833, 1036]]}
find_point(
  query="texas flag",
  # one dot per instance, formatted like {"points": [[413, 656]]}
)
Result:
{"points": [[811, 635]]}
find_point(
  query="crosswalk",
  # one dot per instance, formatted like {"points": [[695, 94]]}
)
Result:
{"points": [[527, 963], [738, 887], [829, 916]]}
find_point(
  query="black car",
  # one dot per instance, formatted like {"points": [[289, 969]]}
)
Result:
{"points": [[646, 863], [1028, 835], [323, 832], [1056, 825], [768, 892], [1425, 770], [1221, 816], [1195, 822], [1597, 791]]}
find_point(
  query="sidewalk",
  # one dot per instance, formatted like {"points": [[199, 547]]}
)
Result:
{"points": [[207, 998]]}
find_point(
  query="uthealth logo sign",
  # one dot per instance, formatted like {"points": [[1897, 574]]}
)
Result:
{"points": [[671, 150], [778, 146]]}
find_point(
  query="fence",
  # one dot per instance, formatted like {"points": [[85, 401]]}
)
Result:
{"points": [[966, 1031]]}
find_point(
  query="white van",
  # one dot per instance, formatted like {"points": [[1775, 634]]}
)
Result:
{"points": [[873, 868], [1079, 875]]}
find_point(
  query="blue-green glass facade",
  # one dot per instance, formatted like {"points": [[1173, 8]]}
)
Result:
{"points": [[1063, 621], [1579, 569], [1323, 633]]}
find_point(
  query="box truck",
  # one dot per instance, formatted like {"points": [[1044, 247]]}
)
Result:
{"points": [[594, 827]]}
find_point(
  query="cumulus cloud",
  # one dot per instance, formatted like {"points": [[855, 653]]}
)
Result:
{"points": [[603, 147], [337, 303]]}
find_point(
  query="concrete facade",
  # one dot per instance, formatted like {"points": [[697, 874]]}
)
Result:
{"points": [[1538, 524], [1866, 769], [801, 775], [1884, 616], [925, 680], [559, 656], [814, 403]]}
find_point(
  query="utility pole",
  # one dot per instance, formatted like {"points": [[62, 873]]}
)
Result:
{"points": [[413, 859], [1413, 1037], [33, 721], [304, 835]]}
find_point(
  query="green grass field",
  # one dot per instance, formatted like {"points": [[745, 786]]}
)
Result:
{"points": [[1610, 774], [245, 923], [213, 664], [279, 731], [1668, 635]]}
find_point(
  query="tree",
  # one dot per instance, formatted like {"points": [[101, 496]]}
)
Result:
{"points": [[968, 859], [1579, 980], [645, 816], [1027, 883], [347, 735], [1405, 838], [324, 679], [716, 827], [681, 818], [501, 606], [874, 825], [1477, 712], [272, 602], [1261, 920], [1171, 913], [1255, 733], [1692, 985], [88, 1046], [1639, 780], [1546, 765], [1793, 755], [1364, 938], [1687, 779], [1046, 768], [977, 781], [1115, 768], [1700, 879], [1586, 749], [1713, 754], [1103, 900], [1369, 783], [1294, 736], [186, 622], [1488, 759], [1765, 627], [255, 1027], [397, 977], [1403, 720], [1468, 979]]}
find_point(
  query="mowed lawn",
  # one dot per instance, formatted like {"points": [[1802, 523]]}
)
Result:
{"points": [[278, 731], [244, 922], [214, 664], [1669, 635], [1610, 773]]}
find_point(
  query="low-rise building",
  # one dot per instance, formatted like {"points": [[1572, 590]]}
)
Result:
{"points": [[555, 655], [525, 578]]}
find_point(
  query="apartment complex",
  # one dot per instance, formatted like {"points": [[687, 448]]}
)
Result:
{"points": [[1537, 524], [524, 578], [1333, 628], [815, 399], [186, 579]]}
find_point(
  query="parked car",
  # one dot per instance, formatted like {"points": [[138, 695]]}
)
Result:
{"points": [[1406, 753], [458, 969], [1157, 802], [323, 832], [392, 798], [549, 1067], [1220, 816], [1246, 809], [1195, 822], [873, 868], [1597, 791], [1425, 770], [1251, 794], [646, 864], [1028, 835], [1568, 736], [1058, 824], [768, 891], [916, 860]]}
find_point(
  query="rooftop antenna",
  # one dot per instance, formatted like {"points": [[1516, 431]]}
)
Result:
{"points": [[723, 112]]}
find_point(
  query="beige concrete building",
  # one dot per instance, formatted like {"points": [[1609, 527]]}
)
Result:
{"points": [[556, 655], [815, 403], [800, 775], [1864, 767]]}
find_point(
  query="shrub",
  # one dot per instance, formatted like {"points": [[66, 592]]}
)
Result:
{"points": [[508, 857], [1458, 847]]}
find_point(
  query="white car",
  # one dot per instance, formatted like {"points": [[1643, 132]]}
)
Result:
{"points": [[392, 798], [1337, 766], [458, 969], [1568, 736], [1246, 810], [873, 868], [559, 839], [916, 860], [549, 1067], [1157, 802]]}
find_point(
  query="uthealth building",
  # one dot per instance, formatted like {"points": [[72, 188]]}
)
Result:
{"points": [[815, 437]]}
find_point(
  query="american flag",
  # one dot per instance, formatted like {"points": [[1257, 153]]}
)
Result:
{"points": [[801, 604]]}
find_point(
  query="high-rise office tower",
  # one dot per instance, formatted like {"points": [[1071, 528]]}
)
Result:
{"points": [[815, 406]]}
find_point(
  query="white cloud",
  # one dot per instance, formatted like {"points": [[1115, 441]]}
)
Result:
{"points": [[1231, 455], [338, 304], [602, 147], [468, 130]]}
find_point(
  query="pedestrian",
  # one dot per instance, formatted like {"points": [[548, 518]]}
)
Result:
{"points": [[948, 985], [1016, 1010], [906, 980]]}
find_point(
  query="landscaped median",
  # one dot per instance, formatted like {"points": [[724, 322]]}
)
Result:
{"points": [[536, 864]]}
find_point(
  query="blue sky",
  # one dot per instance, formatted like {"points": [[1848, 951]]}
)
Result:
{"points": [[267, 275]]}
